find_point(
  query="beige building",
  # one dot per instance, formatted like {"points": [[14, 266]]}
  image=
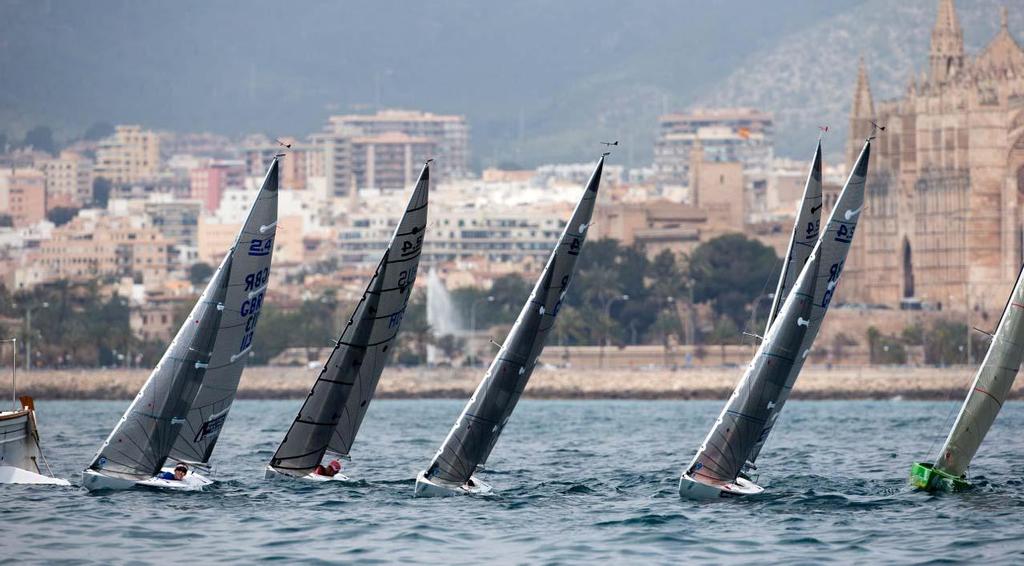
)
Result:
{"points": [[656, 225], [449, 132], [97, 245], [23, 195], [68, 180], [390, 134], [744, 135], [298, 162], [129, 156], [155, 320], [717, 188], [944, 217]]}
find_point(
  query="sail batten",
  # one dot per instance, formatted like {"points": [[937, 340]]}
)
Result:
{"points": [[332, 413], [471, 439], [749, 414]]}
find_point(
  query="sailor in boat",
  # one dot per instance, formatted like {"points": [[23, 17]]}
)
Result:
{"points": [[180, 471], [330, 470]]}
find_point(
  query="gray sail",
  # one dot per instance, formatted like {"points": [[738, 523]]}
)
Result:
{"points": [[753, 407], [247, 286], [471, 439], [802, 239], [989, 390], [337, 403], [801, 242], [140, 443]]}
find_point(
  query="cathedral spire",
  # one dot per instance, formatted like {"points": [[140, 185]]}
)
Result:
{"points": [[947, 50], [863, 104], [862, 113]]}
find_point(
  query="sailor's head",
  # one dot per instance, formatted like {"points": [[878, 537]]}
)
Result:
{"points": [[335, 465], [179, 471]]}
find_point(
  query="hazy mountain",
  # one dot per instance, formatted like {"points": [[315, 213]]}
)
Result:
{"points": [[807, 79], [540, 81]]}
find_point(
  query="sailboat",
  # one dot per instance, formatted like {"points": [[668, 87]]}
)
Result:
{"points": [[992, 383], [202, 364], [327, 423], [717, 470], [20, 451], [805, 234], [469, 443]]}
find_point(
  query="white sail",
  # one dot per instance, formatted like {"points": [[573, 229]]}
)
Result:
{"points": [[805, 234], [989, 390], [247, 286], [771, 374], [334, 409], [475, 432]]}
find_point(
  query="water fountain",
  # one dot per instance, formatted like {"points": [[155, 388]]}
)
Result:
{"points": [[442, 316]]}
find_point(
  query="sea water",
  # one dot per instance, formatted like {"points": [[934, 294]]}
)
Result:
{"points": [[575, 482]]}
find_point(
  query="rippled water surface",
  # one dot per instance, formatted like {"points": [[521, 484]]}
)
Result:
{"points": [[575, 481]]}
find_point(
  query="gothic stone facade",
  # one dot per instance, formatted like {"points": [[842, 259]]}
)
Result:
{"points": [[945, 205]]}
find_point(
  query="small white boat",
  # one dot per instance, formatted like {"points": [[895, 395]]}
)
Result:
{"points": [[471, 439], [327, 423], [739, 432], [185, 401], [20, 453], [439, 488]]}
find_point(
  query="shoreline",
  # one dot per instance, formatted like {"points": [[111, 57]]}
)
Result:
{"points": [[290, 382]]}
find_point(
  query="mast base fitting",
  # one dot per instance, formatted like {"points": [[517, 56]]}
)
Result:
{"points": [[924, 476], [690, 488]]}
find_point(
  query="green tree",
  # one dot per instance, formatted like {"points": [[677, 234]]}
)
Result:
{"points": [[101, 187], [199, 273], [731, 272], [61, 215], [41, 138], [98, 131]]}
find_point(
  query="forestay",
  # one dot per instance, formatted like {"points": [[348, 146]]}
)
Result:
{"points": [[140, 443], [989, 390], [772, 372], [802, 240], [471, 439], [250, 258], [337, 403]]}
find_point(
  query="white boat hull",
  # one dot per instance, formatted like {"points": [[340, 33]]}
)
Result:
{"points": [[272, 474], [12, 475], [691, 488], [434, 488], [95, 481]]}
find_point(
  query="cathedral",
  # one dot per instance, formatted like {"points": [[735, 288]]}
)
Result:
{"points": [[943, 221]]}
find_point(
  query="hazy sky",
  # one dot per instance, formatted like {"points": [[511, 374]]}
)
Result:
{"points": [[536, 78]]}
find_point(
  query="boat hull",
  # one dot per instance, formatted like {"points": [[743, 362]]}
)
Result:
{"points": [[433, 488], [925, 477], [690, 488], [272, 474], [12, 475], [95, 481]]}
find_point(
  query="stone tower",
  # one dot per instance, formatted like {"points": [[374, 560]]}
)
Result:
{"points": [[861, 114], [947, 50]]}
